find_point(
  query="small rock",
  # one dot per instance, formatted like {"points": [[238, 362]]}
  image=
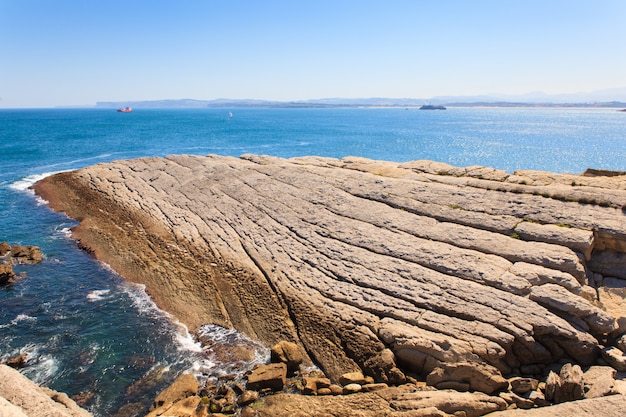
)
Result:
{"points": [[247, 397], [520, 402], [313, 384], [599, 381], [553, 384], [288, 353], [352, 378], [537, 398], [615, 358], [248, 412], [272, 376], [477, 376], [374, 387], [352, 388], [17, 362], [336, 389], [571, 384], [324, 391], [521, 385]]}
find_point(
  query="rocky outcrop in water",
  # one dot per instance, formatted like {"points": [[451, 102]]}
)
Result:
{"points": [[16, 254], [458, 276]]}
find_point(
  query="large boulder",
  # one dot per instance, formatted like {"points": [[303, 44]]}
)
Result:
{"points": [[272, 377], [183, 387], [287, 353]]}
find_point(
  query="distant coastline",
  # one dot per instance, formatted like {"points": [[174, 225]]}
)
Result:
{"points": [[344, 103]]}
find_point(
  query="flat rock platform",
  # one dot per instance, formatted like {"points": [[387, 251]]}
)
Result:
{"points": [[459, 276]]}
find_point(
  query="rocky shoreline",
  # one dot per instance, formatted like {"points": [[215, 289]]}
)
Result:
{"points": [[413, 273]]}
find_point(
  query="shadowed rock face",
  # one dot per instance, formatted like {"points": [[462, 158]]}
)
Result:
{"points": [[391, 268]]}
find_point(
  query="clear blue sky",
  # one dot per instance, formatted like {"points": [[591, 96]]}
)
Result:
{"points": [[73, 52]]}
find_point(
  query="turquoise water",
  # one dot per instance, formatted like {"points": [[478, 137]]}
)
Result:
{"points": [[85, 330]]}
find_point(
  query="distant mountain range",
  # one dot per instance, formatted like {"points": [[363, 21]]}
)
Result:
{"points": [[615, 97]]}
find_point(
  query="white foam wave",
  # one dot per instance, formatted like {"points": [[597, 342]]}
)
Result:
{"points": [[25, 183], [22, 318], [43, 370], [97, 295], [146, 306], [216, 359]]}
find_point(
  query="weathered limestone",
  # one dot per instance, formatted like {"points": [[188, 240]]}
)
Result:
{"points": [[368, 266], [20, 395], [184, 387], [612, 406], [271, 377]]}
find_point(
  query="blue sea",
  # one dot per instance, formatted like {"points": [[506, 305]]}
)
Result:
{"points": [[85, 330]]}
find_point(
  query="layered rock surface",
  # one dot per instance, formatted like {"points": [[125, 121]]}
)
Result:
{"points": [[21, 397], [457, 275]]}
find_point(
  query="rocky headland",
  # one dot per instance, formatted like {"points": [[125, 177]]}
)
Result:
{"points": [[437, 282]]}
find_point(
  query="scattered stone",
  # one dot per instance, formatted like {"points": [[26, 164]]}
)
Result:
{"points": [[375, 387], [467, 376], [599, 381], [248, 412], [553, 385], [538, 398], [182, 408], [620, 343], [521, 385], [336, 389], [513, 399], [352, 378], [312, 385], [572, 387], [288, 353], [352, 388], [247, 397], [272, 376], [183, 387], [615, 358]]}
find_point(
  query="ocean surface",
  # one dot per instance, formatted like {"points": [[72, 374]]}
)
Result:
{"points": [[85, 330]]}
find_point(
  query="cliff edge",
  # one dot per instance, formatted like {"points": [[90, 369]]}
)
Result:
{"points": [[459, 276]]}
